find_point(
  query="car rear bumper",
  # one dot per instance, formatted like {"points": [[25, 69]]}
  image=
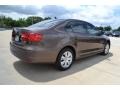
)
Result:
{"points": [[33, 56]]}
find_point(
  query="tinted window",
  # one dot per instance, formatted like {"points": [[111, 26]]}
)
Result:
{"points": [[76, 26], [46, 23], [91, 29], [68, 27]]}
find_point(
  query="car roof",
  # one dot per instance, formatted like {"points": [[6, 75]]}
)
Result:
{"points": [[75, 20], [71, 20]]}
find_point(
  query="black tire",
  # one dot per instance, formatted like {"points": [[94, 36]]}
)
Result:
{"points": [[104, 51], [58, 60]]}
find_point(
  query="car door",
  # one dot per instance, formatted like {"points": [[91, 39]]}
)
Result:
{"points": [[80, 33], [96, 40]]}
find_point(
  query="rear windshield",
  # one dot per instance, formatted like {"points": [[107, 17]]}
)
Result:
{"points": [[46, 23]]}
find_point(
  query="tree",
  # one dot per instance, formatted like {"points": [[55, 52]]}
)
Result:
{"points": [[8, 22], [107, 28], [21, 22], [100, 28], [47, 18], [33, 19], [118, 29], [5, 21]]}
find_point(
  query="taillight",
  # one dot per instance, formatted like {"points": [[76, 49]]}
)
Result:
{"points": [[35, 37], [31, 37], [24, 36]]}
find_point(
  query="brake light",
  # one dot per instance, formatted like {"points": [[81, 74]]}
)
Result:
{"points": [[31, 37], [35, 37], [24, 36]]}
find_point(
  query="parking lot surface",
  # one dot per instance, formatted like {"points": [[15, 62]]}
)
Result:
{"points": [[96, 69]]}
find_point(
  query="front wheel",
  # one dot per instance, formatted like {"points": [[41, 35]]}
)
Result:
{"points": [[65, 59], [106, 49]]}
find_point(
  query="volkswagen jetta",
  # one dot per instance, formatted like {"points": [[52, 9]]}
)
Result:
{"points": [[59, 41]]}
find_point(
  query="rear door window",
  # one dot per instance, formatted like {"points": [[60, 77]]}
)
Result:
{"points": [[91, 29], [77, 27]]}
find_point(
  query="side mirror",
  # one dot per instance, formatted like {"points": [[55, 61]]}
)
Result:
{"points": [[100, 32], [67, 26]]}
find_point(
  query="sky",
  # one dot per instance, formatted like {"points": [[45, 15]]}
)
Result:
{"points": [[95, 14]]}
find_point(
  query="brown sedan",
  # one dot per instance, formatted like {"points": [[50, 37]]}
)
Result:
{"points": [[59, 41]]}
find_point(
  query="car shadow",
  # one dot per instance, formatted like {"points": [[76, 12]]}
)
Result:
{"points": [[47, 72]]}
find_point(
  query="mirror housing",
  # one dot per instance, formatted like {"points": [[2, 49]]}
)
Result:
{"points": [[100, 32], [67, 26]]}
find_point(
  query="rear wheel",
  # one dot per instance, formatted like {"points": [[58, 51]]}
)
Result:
{"points": [[65, 59], [106, 49]]}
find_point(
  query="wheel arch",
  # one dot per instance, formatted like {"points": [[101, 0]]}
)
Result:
{"points": [[68, 46]]}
